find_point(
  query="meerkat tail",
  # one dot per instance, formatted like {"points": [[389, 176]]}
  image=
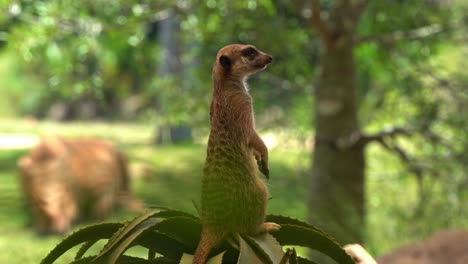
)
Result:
{"points": [[208, 241]]}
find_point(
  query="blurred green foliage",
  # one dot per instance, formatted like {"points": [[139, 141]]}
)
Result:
{"points": [[110, 52]]}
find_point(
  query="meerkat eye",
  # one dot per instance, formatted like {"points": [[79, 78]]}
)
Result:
{"points": [[249, 52]]}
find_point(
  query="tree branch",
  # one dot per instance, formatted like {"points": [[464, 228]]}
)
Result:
{"points": [[358, 8], [393, 147], [356, 138], [413, 34], [382, 135], [313, 16], [391, 38]]}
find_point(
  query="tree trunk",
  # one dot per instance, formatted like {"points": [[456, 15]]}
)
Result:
{"points": [[336, 201], [169, 38]]}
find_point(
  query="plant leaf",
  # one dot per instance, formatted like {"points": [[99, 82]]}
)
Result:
{"points": [[143, 222], [113, 253], [87, 245], [127, 228], [90, 233], [218, 259], [129, 260], [161, 243], [246, 253], [282, 220], [166, 212], [172, 233], [305, 261], [295, 235], [266, 246], [184, 229]]}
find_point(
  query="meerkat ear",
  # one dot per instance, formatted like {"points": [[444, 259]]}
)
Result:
{"points": [[225, 62]]}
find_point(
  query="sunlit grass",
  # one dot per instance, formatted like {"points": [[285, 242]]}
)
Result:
{"points": [[173, 180], [129, 133]]}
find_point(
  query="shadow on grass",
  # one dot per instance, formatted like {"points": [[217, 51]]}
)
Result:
{"points": [[175, 182]]}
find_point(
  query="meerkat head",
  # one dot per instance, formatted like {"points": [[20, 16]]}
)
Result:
{"points": [[240, 61]]}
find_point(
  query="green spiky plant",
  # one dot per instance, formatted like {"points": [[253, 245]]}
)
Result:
{"points": [[170, 236]]}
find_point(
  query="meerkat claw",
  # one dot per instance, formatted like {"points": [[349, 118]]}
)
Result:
{"points": [[269, 227], [264, 168]]}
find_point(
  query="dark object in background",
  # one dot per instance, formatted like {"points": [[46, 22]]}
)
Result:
{"points": [[181, 134], [65, 179]]}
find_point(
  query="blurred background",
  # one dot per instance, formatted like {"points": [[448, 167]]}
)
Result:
{"points": [[364, 110]]}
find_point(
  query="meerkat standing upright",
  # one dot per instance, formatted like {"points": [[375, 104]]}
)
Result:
{"points": [[233, 197]]}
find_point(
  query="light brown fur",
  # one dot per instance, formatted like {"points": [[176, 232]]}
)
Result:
{"points": [[234, 198], [445, 247], [67, 179]]}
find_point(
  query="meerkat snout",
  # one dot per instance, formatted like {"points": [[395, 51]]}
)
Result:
{"points": [[267, 59], [242, 60]]}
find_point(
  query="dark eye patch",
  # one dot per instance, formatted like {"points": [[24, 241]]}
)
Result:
{"points": [[225, 62], [249, 52]]}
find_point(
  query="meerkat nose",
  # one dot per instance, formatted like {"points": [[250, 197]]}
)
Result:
{"points": [[270, 59]]}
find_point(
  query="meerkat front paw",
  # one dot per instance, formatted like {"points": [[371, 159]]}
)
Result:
{"points": [[269, 227]]}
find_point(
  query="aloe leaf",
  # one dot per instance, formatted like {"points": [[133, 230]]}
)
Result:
{"points": [[85, 260], [246, 253], [113, 253], [183, 229], [266, 246], [218, 259], [87, 245], [186, 259], [283, 220], [90, 233], [295, 235], [165, 212], [129, 260], [128, 227], [139, 221], [161, 243], [301, 260], [151, 253]]}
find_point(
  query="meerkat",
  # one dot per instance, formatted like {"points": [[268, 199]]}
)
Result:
{"points": [[233, 197]]}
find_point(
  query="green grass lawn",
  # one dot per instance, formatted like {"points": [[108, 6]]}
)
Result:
{"points": [[175, 181]]}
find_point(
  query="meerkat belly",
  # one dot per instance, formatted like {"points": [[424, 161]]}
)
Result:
{"points": [[233, 197]]}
